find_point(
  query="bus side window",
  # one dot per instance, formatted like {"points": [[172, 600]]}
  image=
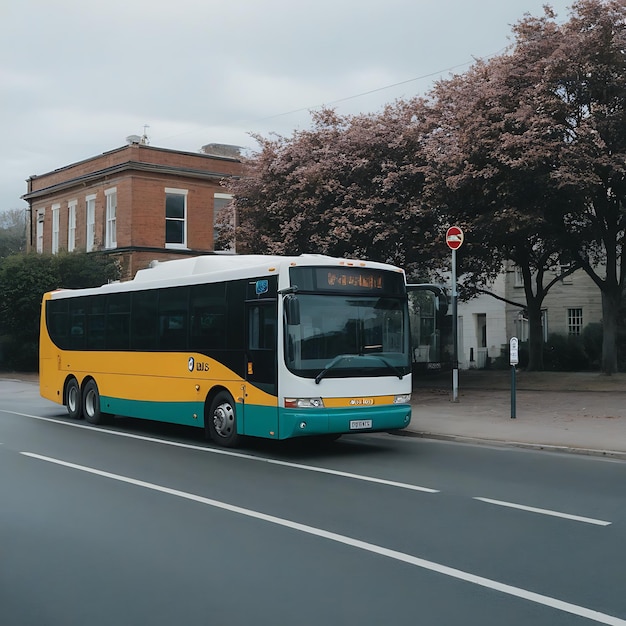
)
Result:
{"points": [[118, 321], [77, 323], [95, 323], [57, 318], [208, 317], [144, 321], [261, 328], [173, 314]]}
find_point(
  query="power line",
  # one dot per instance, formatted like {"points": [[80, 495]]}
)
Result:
{"points": [[367, 93], [346, 98]]}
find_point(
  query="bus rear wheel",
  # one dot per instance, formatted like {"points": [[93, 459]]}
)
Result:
{"points": [[221, 421], [91, 404], [73, 399]]}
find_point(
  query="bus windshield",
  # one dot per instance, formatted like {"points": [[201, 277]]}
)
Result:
{"points": [[342, 336]]}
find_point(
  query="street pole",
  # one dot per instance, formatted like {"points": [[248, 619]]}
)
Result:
{"points": [[454, 240], [455, 334], [513, 360]]}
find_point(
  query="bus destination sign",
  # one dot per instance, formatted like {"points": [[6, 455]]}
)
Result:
{"points": [[357, 279], [353, 280]]}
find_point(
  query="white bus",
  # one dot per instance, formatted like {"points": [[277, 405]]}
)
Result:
{"points": [[248, 345]]}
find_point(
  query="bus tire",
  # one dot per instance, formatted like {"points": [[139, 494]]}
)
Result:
{"points": [[91, 404], [221, 421], [73, 399]]}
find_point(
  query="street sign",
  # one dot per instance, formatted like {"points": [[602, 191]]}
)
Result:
{"points": [[513, 351], [454, 237]]}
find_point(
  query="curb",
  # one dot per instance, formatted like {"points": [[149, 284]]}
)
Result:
{"points": [[546, 447]]}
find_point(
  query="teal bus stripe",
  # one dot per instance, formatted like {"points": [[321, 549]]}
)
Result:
{"points": [[262, 421], [184, 413]]}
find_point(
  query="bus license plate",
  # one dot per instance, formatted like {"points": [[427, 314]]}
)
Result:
{"points": [[358, 424]]}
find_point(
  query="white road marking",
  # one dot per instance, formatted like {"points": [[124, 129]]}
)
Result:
{"points": [[241, 455], [517, 592], [532, 509]]}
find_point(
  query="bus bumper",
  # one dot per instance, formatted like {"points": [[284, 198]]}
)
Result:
{"points": [[300, 423]]}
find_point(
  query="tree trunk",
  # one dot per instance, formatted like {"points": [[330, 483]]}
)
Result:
{"points": [[535, 336], [610, 311]]}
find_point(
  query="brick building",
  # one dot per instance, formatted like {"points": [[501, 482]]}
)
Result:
{"points": [[138, 203]]}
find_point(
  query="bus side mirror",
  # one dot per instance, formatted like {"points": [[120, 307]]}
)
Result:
{"points": [[292, 309]]}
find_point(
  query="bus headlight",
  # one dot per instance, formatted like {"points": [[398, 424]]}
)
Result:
{"points": [[304, 403], [404, 398]]}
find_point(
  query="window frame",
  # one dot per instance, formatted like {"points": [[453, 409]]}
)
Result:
{"points": [[172, 191], [90, 219], [110, 238], [71, 225], [575, 321], [56, 226], [39, 228]]}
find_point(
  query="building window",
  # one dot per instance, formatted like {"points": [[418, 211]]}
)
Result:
{"points": [[91, 223], [574, 321], [55, 227], [175, 218], [518, 277], [71, 225], [40, 220], [110, 240], [223, 222]]}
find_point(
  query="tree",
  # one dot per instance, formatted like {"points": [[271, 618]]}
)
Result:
{"points": [[350, 186], [24, 278], [530, 150], [12, 232], [79, 270], [490, 178], [527, 152], [586, 83]]}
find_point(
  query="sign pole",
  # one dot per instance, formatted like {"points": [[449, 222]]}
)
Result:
{"points": [[514, 360], [454, 240], [455, 333]]}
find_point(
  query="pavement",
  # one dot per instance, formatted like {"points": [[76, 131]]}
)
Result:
{"points": [[578, 412]]}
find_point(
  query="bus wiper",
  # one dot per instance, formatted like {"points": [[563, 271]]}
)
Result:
{"points": [[341, 357], [393, 368], [329, 366]]}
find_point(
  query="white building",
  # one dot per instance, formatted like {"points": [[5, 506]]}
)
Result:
{"points": [[482, 327], [486, 324]]}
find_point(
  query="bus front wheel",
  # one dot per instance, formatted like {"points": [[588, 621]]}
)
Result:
{"points": [[91, 404], [221, 421], [73, 400]]}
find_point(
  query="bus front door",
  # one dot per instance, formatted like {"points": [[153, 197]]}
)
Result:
{"points": [[260, 409]]}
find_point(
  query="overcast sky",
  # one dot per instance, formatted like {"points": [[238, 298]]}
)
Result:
{"points": [[79, 76]]}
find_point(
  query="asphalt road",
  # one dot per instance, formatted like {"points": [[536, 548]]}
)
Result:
{"points": [[143, 523]]}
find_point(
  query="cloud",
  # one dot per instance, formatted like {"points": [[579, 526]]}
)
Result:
{"points": [[77, 77]]}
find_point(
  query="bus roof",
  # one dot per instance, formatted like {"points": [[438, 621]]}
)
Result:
{"points": [[214, 268]]}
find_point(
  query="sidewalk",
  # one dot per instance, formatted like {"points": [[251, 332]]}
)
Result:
{"points": [[562, 411]]}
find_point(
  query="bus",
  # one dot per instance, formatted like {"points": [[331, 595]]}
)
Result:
{"points": [[239, 345]]}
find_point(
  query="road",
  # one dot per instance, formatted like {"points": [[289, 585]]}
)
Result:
{"points": [[142, 523]]}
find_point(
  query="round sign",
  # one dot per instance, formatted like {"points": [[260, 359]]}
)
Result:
{"points": [[454, 237]]}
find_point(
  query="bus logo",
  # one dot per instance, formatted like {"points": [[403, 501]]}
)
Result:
{"points": [[190, 364], [262, 286]]}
